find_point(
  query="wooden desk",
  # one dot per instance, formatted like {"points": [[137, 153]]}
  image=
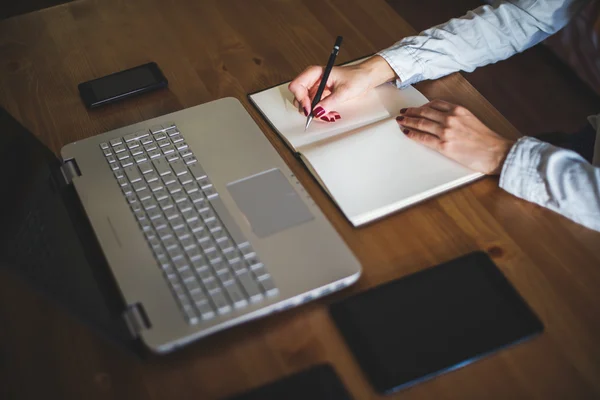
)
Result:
{"points": [[212, 49]]}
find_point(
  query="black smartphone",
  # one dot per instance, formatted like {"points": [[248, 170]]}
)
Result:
{"points": [[121, 85], [319, 382], [433, 321]]}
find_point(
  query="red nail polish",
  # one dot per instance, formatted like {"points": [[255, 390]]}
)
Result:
{"points": [[406, 131], [305, 112], [399, 118], [318, 111], [402, 111], [338, 116], [325, 119]]}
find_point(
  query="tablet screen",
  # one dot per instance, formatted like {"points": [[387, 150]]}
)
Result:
{"points": [[433, 321]]}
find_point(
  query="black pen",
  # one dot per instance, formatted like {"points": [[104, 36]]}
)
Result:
{"points": [[328, 68]]}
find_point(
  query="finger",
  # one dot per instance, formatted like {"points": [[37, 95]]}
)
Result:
{"points": [[426, 139], [441, 105], [425, 112], [298, 106], [336, 115], [302, 83], [420, 124], [330, 117]]}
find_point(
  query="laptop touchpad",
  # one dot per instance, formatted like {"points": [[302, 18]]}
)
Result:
{"points": [[269, 202]]}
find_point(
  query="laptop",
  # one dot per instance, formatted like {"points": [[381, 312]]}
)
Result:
{"points": [[169, 230]]}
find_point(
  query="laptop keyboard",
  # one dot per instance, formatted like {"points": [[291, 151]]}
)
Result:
{"points": [[209, 265]]}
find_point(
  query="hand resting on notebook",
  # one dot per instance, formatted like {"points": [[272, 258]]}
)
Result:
{"points": [[456, 133]]}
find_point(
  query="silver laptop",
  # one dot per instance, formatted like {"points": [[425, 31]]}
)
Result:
{"points": [[202, 224]]}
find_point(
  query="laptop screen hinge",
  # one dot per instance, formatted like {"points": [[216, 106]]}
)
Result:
{"points": [[70, 170], [136, 319]]}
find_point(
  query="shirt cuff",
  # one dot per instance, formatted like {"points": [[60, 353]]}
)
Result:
{"points": [[520, 173], [405, 63]]}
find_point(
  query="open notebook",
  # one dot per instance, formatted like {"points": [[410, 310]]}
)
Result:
{"points": [[363, 160]]}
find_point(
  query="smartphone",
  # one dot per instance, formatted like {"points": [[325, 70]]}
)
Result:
{"points": [[318, 382], [121, 85]]}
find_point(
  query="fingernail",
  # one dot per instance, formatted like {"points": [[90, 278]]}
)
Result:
{"points": [[402, 111], [305, 112], [325, 119], [318, 111], [399, 118], [406, 131], [338, 116]]}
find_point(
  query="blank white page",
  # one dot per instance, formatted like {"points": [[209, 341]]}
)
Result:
{"points": [[378, 170], [378, 104]]}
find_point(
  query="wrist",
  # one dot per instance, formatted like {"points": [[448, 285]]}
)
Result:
{"points": [[377, 70], [502, 153]]}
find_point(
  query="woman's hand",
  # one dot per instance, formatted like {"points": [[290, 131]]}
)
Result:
{"points": [[456, 133], [343, 84]]}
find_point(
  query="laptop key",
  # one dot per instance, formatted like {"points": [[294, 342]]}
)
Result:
{"points": [[169, 179], [198, 297], [221, 302], [172, 131], [269, 286], [155, 187], [151, 177], [160, 224], [197, 171], [172, 157], [205, 310], [139, 185], [154, 129], [250, 286], [154, 153], [174, 188], [181, 145], [161, 166], [131, 198], [165, 204], [211, 285], [176, 138], [132, 137], [179, 168], [168, 149], [237, 297], [204, 273], [179, 197], [133, 174], [145, 167]]}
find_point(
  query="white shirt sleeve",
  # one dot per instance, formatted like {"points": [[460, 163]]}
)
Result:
{"points": [[483, 36], [555, 178]]}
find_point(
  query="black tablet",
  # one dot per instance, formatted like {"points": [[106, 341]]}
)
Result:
{"points": [[319, 382], [433, 321]]}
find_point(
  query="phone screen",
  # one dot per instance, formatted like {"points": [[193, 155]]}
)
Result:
{"points": [[122, 84]]}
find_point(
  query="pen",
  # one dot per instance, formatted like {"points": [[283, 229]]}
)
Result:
{"points": [[328, 68]]}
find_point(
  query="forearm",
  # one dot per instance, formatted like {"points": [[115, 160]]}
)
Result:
{"points": [[554, 178], [483, 36]]}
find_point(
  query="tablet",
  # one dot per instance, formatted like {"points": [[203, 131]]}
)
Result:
{"points": [[433, 321]]}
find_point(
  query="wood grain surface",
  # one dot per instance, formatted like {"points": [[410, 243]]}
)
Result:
{"points": [[211, 49]]}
